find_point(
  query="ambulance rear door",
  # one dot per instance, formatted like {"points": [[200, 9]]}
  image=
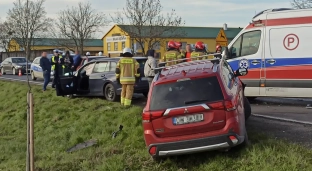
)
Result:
{"points": [[288, 55], [247, 52]]}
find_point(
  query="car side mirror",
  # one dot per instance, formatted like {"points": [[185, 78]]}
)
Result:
{"points": [[227, 53], [241, 72], [9, 62]]}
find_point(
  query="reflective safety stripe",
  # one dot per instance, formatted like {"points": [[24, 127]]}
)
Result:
{"points": [[53, 60], [137, 75], [127, 79], [122, 100], [127, 102], [126, 61]]}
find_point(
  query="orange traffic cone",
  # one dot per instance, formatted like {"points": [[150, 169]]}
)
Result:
{"points": [[19, 72]]}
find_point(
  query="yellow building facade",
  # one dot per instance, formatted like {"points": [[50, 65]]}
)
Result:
{"points": [[117, 38]]}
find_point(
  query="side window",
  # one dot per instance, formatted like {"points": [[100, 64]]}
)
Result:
{"points": [[84, 61], [112, 66], [227, 74], [247, 44], [36, 61], [101, 67], [88, 69]]}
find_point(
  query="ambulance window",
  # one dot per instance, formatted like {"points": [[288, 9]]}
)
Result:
{"points": [[246, 44]]}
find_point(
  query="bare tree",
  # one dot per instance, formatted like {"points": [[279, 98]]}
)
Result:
{"points": [[7, 33], [28, 19], [146, 23], [302, 4], [78, 24]]}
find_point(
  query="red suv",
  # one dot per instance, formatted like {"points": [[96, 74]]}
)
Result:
{"points": [[195, 106]]}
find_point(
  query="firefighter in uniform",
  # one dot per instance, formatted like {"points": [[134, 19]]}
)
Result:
{"points": [[58, 66], [182, 51], [127, 74], [218, 50], [171, 54], [200, 50]]}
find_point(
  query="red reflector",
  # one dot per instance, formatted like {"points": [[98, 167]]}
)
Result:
{"points": [[149, 116], [226, 105], [152, 150], [217, 106], [229, 105], [233, 139]]}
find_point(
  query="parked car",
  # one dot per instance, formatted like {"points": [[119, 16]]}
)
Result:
{"points": [[86, 59], [14, 64], [36, 70], [97, 78], [195, 106]]}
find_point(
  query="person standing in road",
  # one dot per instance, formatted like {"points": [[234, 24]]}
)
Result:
{"points": [[46, 68], [127, 74], [58, 66], [188, 53], [77, 60], [149, 66]]}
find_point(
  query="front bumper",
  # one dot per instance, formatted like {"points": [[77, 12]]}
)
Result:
{"points": [[196, 145]]}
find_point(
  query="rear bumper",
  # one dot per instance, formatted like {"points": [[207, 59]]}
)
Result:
{"points": [[196, 145]]}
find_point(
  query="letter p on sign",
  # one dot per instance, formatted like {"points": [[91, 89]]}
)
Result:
{"points": [[291, 42]]}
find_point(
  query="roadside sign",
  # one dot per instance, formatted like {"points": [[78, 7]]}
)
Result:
{"points": [[221, 38]]}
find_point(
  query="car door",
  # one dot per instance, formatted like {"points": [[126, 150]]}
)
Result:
{"points": [[247, 52], [99, 77], [36, 68], [77, 83], [7, 65]]}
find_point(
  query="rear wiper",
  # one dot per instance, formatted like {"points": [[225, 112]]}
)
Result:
{"points": [[195, 101]]}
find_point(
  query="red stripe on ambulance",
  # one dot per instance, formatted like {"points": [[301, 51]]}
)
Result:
{"points": [[283, 21]]}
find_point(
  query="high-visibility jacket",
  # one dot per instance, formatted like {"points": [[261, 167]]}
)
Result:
{"points": [[171, 55], [195, 54], [127, 70], [55, 62]]}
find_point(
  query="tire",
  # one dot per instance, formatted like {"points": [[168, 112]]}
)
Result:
{"points": [[33, 76], [14, 71], [2, 71], [110, 93], [251, 98], [247, 108], [145, 94]]}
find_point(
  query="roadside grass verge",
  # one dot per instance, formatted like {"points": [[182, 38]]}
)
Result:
{"points": [[60, 123]]}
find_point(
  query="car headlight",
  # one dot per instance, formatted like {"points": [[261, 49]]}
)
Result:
{"points": [[17, 66]]}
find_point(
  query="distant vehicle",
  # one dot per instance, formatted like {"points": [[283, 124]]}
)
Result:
{"points": [[274, 46], [86, 59], [36, 70], [14, 64], [97, 78], [195, 106]]}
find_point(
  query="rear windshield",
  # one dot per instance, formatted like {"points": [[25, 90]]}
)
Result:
{"points": [[179, 94]]}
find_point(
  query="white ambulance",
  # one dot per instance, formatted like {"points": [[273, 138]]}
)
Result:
{"points": [[276, 47]]}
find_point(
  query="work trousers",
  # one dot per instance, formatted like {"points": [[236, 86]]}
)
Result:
{"points": [[46, 77], [126, 94]]}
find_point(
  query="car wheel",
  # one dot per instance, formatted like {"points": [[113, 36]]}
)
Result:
{"points": [[145, 94], [247, 108], [251, 98], [33, 76], [110, 92], [2, 71], [13, 71]]}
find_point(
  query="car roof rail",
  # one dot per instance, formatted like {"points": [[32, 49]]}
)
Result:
{"points": [[162, 65]]}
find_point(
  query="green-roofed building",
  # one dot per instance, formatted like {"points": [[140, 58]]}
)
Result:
{"points": [[90, 45], [119, 36]]}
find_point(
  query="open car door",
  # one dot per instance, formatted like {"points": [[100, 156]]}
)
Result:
{"points": [[70, 83]]}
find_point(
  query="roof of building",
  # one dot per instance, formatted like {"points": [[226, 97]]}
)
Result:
{"points": [[186, 31], [59, 42]]}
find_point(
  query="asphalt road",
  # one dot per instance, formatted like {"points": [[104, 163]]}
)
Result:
{"points": [[289, 108]]}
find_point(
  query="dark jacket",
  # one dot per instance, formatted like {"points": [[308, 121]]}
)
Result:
{"points": [[45, 64]]}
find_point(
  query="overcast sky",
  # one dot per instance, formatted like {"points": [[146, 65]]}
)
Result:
{"points": [[208, 13]]}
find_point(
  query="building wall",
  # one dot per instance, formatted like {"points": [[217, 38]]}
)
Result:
{"points": [[110, 49]]}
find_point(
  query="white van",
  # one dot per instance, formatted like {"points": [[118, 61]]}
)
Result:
{"points": [[276, 47]]}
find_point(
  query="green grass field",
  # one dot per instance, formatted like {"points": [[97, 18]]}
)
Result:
{"points": [[60, 123]]}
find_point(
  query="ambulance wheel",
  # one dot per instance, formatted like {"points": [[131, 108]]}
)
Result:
{"points": [[247, 108], [33, 76], [110, 93]]}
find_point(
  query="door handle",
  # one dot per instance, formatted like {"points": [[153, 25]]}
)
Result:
{"points": [[271, 61], [255, 62]]}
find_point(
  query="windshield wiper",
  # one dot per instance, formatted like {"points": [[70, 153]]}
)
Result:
{"points": [[195, 101]]}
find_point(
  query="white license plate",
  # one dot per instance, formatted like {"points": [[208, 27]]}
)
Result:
{"points": [[188, 119], [143, 78]]}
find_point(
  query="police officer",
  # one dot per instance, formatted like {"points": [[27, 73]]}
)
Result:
{"points": [[171, 54], [127, 74], [58, 66], [200, 50]]}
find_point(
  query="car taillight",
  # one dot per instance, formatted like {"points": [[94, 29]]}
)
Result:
{"points": [[149, 116], [224, 105]]}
